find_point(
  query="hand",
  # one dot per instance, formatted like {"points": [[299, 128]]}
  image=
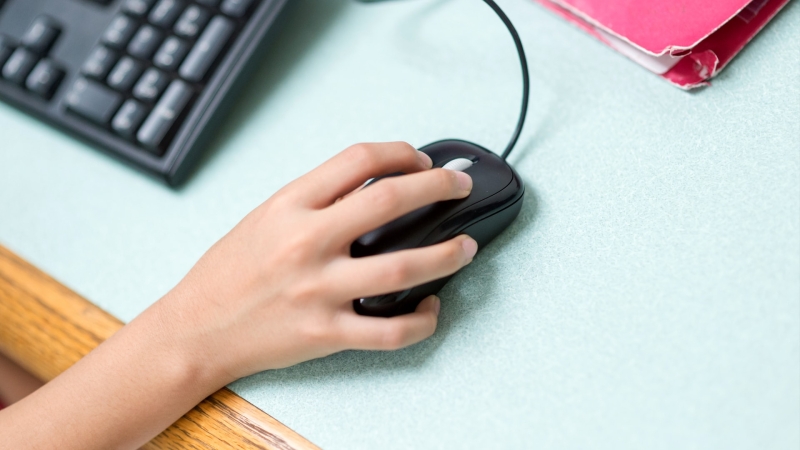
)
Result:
{"points": [[278, 289]]}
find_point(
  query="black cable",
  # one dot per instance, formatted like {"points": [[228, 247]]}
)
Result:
{"points": [[526, 82]]}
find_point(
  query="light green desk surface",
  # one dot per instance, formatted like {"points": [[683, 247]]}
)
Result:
{"points": [[648, 296]]}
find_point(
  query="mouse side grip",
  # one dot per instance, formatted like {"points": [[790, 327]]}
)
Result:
{"points": [[483, 232]]}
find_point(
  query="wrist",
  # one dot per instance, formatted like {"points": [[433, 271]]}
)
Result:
{"points": [[167, 347], [190, 346]]}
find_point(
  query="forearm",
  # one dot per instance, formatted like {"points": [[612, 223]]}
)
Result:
{"points": [[121, 395], [15, 383], [276, 291]]}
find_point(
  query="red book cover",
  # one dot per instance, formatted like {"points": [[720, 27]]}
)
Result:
{"points": [[687, 42]]}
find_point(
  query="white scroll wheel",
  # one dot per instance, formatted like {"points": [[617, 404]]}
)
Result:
{"points": [[458, 164]]}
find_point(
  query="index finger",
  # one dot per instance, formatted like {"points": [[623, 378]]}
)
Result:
{"points": [[394, 197], [353, 167]]}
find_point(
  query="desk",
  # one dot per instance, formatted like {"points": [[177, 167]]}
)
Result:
{"points": [[647, 296]]}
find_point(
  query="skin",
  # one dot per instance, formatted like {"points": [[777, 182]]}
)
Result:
{"points": [[275, 291], [15, 382]]}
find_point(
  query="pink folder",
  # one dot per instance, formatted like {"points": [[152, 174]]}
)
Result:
{"points": [[687, 42]]}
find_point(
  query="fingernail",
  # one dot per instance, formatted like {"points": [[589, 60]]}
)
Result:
{"points": [[464, 181], [470, 247], [425, 160], [437, 305]]}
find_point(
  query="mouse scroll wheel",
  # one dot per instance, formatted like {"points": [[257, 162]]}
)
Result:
{"points": [[458, 164]]}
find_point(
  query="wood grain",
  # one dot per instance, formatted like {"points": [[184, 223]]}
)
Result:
{"points": [[45, 328]]}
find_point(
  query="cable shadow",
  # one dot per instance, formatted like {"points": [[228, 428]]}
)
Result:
{"points": [[408, 35]]}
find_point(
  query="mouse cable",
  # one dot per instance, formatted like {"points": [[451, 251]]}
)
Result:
{"points": [[526, 82]]}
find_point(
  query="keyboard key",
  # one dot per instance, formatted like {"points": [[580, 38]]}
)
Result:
{"points": [[125, 73], [120, 32], [165, 13], [145, 42], [192, 22], [45, 78], [93, 101], [19, 65], [6, 49], [171, 54], [151, 85], [165, 114], [129, 117], [138, 8], [207, 49], [209, 3], [41, 35], [236, 8], [100, 62]]}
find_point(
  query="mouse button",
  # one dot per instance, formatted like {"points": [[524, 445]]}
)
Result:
{"points": [[459, 164], [487, 183], [454, 224], [489, 176], [443, 151], [455, 162]]}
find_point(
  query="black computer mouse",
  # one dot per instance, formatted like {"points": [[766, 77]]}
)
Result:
{"points": [[493, 204]]}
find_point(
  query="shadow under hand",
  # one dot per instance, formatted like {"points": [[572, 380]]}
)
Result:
{"points": [[464, 299], [475, 288]]}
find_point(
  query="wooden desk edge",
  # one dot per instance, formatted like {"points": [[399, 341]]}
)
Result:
{"points": [[46, 328]]}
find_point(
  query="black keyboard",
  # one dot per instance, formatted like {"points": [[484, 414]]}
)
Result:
{"points": [[145, 80]]}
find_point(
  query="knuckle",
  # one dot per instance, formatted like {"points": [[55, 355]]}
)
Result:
{"points": [[315, 330], [300, 244], [300, 248], [399, 273], [277, 203], [384, 195], [284, 198], [362, 155], [305, 292], [407, 152]]}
